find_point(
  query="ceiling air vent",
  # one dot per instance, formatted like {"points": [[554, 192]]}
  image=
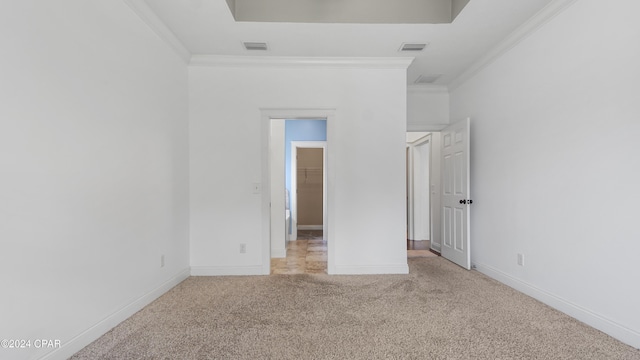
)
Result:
{"points": [[427, 79], [255, 46], [412, 47]]}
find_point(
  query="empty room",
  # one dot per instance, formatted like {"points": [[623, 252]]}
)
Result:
{"points": [[153, 204]]}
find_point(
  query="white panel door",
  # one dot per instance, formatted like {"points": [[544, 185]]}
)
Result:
{"points": [[455, 193]]}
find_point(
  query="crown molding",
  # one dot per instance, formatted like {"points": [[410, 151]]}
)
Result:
{"points": [[301, 62], [522, 32], [152, 20], [427, 89]]}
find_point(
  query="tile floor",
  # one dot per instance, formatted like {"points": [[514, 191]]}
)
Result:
{"points": [[418, 245], [307, 255], [419, 249]]}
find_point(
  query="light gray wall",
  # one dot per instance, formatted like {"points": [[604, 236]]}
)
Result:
{"points": [[427, 108], [555, 164], [93, 170]]}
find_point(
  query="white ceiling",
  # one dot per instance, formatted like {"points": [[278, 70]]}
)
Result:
{"points": [[207, 27]]}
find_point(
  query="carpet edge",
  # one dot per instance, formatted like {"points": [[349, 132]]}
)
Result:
{"points": [[94, 332], [600, 322]]}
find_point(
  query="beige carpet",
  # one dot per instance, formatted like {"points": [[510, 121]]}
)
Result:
{"points": [[439, 311]]}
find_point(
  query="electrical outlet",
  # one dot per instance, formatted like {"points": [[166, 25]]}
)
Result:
{"points": [[521, 259], [162, 261], [243, 248]]}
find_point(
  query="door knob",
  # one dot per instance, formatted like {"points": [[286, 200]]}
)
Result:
{"points": [[470, 202], [463, 201]]}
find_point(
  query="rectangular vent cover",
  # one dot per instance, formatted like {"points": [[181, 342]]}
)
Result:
{"points": [[427, 79], [255, 46], [412, 47]]}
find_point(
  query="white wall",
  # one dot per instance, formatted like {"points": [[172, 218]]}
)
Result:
{"points": [[427, 108], [93, 170], [556, 164], [366, 166]]}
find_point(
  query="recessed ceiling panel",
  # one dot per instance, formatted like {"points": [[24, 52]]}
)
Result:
{"points": [[208, 27], [456, 7], [347, 11]]}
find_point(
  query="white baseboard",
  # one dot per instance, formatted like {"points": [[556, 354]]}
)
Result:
{"points": [[369, 269], [309, 227], [588, 317], [226, 270], [278, 253], [93, 333]]}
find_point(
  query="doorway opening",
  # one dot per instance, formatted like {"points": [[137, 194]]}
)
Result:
{"points": [[308, 189], [286, 132], [449, 185], [306, 246], [423, 194]]}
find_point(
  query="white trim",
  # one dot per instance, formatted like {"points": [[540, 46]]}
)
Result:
{"points": [[297, 62], [226, 270], [150, 18], [578, 312], [409, 181], [413, 127], [298, 113], [86, 337], [294, 183], [309, 227], [411, 185], [522, 32], [278, 218], [427, 89], [278, 253], [421, 140], [370, 269]]}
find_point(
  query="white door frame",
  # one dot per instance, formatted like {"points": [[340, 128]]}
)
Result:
{"points": [[434, 180], [266, 116], [411, 196], [295, 145]]}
